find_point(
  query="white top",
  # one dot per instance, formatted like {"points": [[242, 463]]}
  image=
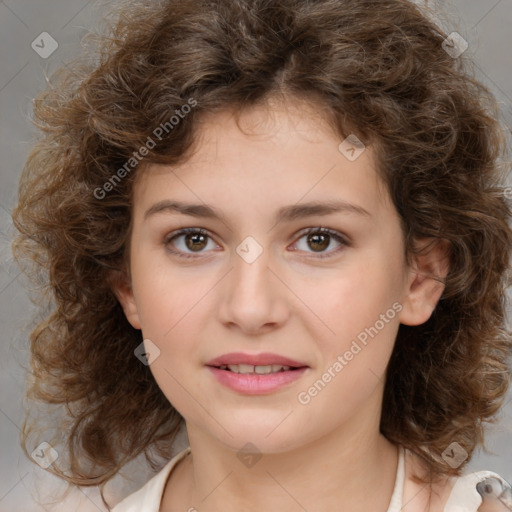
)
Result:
{"points": [[464, 497]]}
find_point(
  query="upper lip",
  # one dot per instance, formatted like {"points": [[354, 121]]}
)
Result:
{"points": [[263, 359]]}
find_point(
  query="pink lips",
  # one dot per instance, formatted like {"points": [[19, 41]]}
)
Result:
{"points": [[255, 384], [262, 359]]}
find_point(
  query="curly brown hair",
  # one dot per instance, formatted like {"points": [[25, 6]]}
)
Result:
{"points": [[378, 70]]}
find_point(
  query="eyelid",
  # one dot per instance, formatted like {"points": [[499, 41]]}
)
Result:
{"points": [[185, 231], [320, 229]]}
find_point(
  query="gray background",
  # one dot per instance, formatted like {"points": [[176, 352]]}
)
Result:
{"points": [[485, 24]]}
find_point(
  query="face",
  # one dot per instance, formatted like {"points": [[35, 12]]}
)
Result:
{"points": [[294, 251]]}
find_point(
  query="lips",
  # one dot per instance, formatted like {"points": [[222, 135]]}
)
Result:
{"points": [[263, 359], [256, 374]]}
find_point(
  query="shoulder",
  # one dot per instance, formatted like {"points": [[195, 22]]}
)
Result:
{"points": [[481, 491], [148, 498]]}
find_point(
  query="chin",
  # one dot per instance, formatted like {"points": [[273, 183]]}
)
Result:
{"points": [[245, 439]]}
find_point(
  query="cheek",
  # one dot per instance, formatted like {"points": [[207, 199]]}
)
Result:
{"points": [[168, 298], [354, 359], [359, 312], [171, 312], [354, 299]]}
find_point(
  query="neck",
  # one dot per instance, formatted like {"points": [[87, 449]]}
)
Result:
{"points": [[339, 468]]}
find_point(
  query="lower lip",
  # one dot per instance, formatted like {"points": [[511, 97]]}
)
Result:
{"points": [[256, 384]]}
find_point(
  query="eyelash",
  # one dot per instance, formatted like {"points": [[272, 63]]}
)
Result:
{"points": [[318, 230]]}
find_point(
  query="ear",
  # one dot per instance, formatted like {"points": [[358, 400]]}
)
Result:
{"points": [[122, 288], [424, 289]]}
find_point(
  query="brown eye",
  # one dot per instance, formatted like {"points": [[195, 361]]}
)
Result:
{"points": [[319, 242], [186, 242], [196, 241]]}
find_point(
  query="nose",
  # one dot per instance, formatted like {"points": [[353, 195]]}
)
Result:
{"points": [[254, 298]]}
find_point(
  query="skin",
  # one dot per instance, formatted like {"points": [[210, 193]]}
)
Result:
{"points": [[288, 301]]}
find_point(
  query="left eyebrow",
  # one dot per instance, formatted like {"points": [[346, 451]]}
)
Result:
{"points": [[284, 214]]}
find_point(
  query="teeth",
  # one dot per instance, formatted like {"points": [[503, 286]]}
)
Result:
{"points": [[245, 368], [249, 368], [263, 369], [277, 367]]}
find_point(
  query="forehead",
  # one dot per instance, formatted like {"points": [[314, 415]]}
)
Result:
{"points": [[274, 154]]}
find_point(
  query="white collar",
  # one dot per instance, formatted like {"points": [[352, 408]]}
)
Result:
{"points": [[395, 505]]}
